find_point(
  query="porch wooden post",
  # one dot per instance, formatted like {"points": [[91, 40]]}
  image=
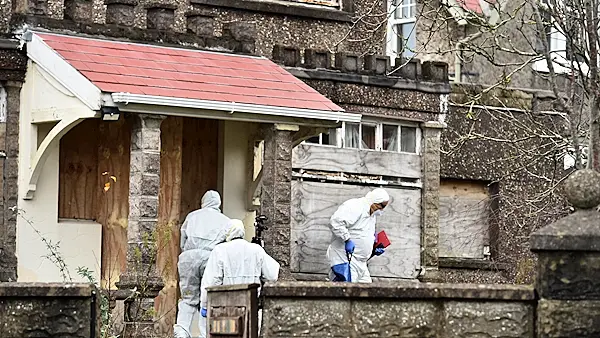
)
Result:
{"points": [[144, 182], [276, 194]]}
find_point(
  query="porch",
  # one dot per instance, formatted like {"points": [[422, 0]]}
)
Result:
{"points": [[116, 151]]}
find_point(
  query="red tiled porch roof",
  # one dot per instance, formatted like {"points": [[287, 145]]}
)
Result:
{"points": [[116, 67]]}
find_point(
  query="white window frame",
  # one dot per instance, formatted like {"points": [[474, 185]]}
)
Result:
{"points": [[392, 34], [341, 136], [338, 140], [399, 141], [558, 52]]}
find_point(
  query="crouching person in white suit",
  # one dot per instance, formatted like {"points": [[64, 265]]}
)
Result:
{"points": [[237, 261]]}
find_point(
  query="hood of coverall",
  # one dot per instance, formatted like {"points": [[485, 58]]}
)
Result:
{"points": [[377, 196], [236, 230], [211, 199]]}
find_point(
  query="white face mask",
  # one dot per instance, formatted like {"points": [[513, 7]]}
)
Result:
{"points": [[378, 213]]}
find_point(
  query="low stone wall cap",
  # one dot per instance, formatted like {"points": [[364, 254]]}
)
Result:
{"points": [[24, 290], [402, 290], [234, 287], [579, 231]]}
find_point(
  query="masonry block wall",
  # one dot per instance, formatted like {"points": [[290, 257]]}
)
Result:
{"points": [[12, 73], [276, 195], [49, 310]]}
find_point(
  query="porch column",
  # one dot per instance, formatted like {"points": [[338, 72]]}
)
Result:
{"points": [[430, 200], [13, 65], [276, 194], [144, 182]]}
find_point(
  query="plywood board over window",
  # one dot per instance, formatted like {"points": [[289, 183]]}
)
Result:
{"points": [[90, 154], [464, 219], [313, 204]]}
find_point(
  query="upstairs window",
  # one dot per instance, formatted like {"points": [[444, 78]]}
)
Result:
{"points": [[401, 34], [564, 37]]}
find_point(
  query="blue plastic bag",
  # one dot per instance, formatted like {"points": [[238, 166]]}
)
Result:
{"points": [[342, 272]]}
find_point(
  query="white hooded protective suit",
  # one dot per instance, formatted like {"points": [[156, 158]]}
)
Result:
{"points": [[237, 262], [201, 231], [352, 220]]}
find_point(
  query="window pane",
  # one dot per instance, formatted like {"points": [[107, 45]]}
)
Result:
{"points": [[368, 137], [390, 138], [406, 12], [331, 138], [314, 139], [408, 142], [397, 8], [352, 137], [407, 39]]}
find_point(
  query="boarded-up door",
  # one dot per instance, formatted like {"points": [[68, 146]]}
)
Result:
{"points": [[188, 168], [313, 203]]}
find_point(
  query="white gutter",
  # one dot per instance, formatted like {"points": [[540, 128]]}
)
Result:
{"points": [[232, 107]]}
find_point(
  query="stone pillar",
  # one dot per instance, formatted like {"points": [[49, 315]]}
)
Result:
{"points": [[8, 229], [144, 182], [568, 270], [276, 194], [13, 64], [430, 200]]}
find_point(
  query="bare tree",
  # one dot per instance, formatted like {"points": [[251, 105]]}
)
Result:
{"points": [[549, 45]]}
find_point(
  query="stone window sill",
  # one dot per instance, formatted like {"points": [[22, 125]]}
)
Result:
{"points": [[469, 263], [291, 9]]}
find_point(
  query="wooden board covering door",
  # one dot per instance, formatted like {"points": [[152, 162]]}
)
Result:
{"points": [[313, 203], [188, 168]]}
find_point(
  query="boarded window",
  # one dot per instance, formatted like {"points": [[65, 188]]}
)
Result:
{"points": [[464, 219], [78, 168], [313, 204]]}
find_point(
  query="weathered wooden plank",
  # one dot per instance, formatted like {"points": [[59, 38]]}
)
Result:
{"points": [[313, 203], [114, 139], [78, 170], [169, 214], [200, 158], [364, 162], [464, 226]]}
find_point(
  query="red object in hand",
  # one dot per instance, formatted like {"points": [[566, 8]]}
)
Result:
{"points": [[382, 240]]}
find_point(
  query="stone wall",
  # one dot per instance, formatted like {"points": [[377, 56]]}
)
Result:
{"points": [[266, 23], [316, 309], [49, 310], [480, 144]]}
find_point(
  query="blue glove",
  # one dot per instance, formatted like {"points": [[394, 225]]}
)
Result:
{"points": [[203, 312], [350, 247], [379, 251]]}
